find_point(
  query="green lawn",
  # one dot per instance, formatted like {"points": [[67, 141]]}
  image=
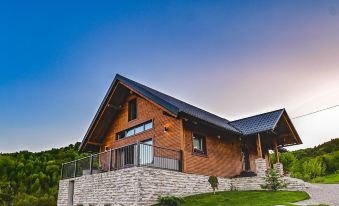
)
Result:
{"points": [[328, 179], [245, 198]]}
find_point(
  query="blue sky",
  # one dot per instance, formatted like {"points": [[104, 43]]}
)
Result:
{"points": [[232, 58]]}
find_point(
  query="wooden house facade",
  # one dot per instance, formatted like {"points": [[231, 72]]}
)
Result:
{"points": [[207, 144]]}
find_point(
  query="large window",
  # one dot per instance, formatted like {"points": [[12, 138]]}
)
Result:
{"points": [[135, 130], [132, 109], [199, 144]]}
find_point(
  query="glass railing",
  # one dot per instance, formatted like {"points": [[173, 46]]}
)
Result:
{"points": [[138, 154]]}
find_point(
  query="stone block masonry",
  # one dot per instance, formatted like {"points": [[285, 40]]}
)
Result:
{"points": [[261, 168], [142, 186], [279, 168]]}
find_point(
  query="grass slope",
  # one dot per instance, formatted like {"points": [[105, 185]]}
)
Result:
{"points": [[246, 198], [328, 179]]}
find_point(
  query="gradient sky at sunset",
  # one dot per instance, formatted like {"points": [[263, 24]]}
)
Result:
{"points": [[232, 58]]}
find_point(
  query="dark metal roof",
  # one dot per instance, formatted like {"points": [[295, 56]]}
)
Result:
{"points": [[177, 106], [246, 126], [258, 123]]}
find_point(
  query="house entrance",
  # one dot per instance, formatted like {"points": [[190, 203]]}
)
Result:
{"points": [[245, 157]]}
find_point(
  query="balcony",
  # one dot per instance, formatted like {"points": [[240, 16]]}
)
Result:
{"points": [[134, 155]]}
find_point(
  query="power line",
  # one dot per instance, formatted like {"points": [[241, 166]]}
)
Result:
{"points": [[321, 110]]}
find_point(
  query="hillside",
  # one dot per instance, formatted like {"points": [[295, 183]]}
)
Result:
{"points": [[28, 178], [312, 164], [325, 148]]}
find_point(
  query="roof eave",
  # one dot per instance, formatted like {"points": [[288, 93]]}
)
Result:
{"points": [[118, 78], [184, 114], [100, 109]]}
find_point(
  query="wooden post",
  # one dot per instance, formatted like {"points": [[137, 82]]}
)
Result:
{"points": [[259, 146], [276, 152]]}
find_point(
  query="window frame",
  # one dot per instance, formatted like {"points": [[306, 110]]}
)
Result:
{"points": [[203, 150], [133, 130], [132, 115]]}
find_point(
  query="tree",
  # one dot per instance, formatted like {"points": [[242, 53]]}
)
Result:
{"points": [[288, 160], [28, 178], [273, 181], [6, 193], [213, 182]]}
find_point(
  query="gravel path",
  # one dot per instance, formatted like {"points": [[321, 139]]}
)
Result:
{"points": [[322, 194]]}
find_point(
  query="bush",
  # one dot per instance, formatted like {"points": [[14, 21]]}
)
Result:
{"points": [[288, 160], [273, 181], [313, 168], [213, 180], [170, 201], [29, 200]]}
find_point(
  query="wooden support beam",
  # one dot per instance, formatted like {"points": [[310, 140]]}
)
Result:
{"points": [[268, 159], [94, 143], [276, 152], [259, 150], [291, 129], [114, 106], [98, 116]]}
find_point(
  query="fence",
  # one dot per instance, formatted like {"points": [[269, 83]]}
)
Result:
{"points": [[138, 154]]}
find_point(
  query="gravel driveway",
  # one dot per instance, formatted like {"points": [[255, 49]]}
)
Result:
{"points": [[322, 193]]}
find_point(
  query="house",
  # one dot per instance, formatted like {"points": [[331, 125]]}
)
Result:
{"points": [[210, 145], [136, 125]]}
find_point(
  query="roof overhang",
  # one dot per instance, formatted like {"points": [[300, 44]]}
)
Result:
{"points": [[283, 132]]}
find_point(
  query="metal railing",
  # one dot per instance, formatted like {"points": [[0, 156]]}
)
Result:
{"points": [[138, 154]]}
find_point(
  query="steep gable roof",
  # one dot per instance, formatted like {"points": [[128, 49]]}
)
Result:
{"points": [[176, 106], [258, 123], [246, 126]]}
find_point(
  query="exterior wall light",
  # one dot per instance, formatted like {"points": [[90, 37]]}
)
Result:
{"points": [[165, 129]]}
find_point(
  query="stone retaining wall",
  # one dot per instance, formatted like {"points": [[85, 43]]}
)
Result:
{"points": [[142, 186]]}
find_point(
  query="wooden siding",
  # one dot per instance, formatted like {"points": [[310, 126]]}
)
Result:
{"points": [[145, 111], [223, 155]]}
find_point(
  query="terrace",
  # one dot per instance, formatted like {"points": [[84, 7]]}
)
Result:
{"points": [[133, 155]]}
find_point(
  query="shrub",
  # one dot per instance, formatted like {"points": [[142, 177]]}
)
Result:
{"points": [[313, 168], [288, 160], [170, 201], [273, 181], [213, 180]]}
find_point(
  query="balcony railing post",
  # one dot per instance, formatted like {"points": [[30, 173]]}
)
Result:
{"points": [[62, 171], [138, 153], [110, 159], [180, 161], [75, 168], [91, 164]]}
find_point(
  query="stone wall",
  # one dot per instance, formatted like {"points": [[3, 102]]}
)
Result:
{"points": [[142, 186]]}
